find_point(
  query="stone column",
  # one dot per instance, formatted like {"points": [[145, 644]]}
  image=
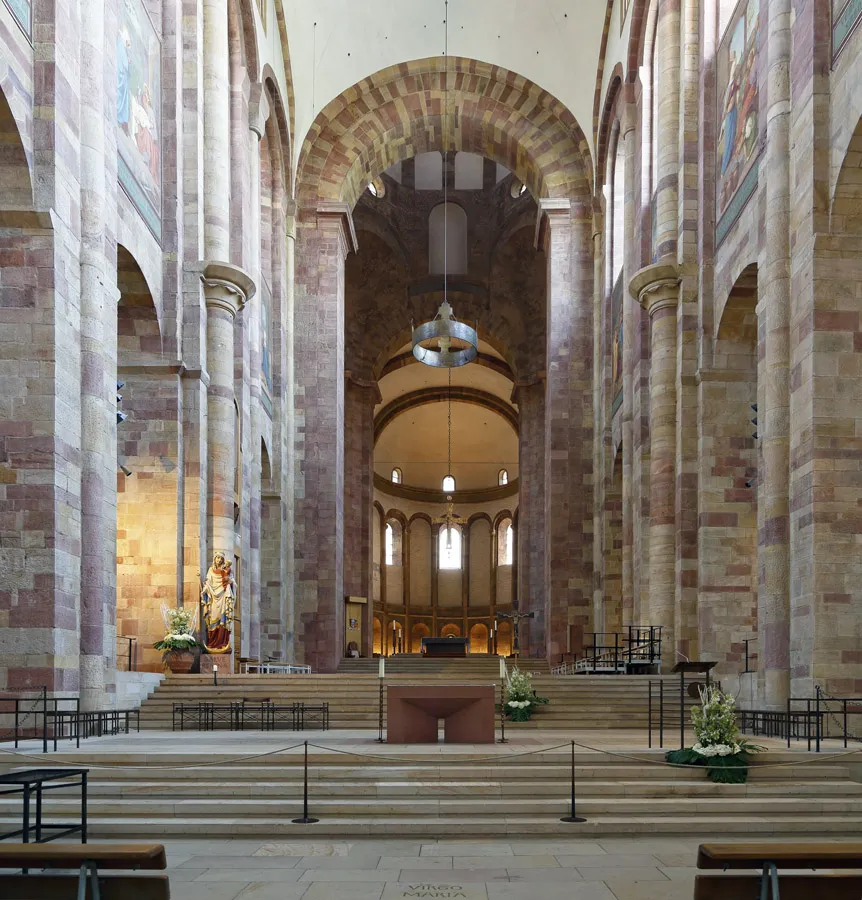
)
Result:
{"points": [[99, 299], [216, 106], [602, 443], [226, 290], [773, 482], [288, 430], [529, 589], [360, 400], [657, 290], [251, 617], [326, 237], [563, 231], [666, 180], [631, 312]]}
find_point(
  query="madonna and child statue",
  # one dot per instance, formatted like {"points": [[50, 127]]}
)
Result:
{"points": [[218, 598]]}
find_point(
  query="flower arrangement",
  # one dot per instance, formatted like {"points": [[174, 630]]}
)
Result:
{"points": [[180, 624], [719, 747], [520, 696]]}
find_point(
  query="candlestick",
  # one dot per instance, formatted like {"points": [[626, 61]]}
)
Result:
{"points": [[381, 668]]}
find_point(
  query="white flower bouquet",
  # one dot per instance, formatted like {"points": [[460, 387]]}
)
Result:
{"points": [[180, 623], [719, 745], [521, 699]]}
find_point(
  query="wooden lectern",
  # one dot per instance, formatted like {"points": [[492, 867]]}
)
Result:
{"points": [[695, 667]]}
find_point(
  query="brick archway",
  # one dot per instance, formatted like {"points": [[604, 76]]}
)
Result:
{"points": [[399, 112]]}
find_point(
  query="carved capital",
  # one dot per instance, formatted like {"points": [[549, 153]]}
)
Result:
{"points": [[337, 213], [554, 212], [656, 287], [258, 110], [226, 286]]}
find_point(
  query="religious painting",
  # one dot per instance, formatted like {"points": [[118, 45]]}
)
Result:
{"points": [[737, 105], [846, 15], [139, 104], [22, 11], [617, 344]]}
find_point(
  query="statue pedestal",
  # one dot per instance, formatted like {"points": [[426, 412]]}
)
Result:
{"points": [[224, 661]]}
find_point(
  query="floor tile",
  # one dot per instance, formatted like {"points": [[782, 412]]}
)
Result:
{"points": [[349, 875], [274, 891], [439, 890], [512, 862], [281, 876], [576, 891], [416, 862], [466, 848], [470, 876], [609, 860], [641, 873], [336, 891], [197, 890], [254, 862], [303, 848], [649, 890]]}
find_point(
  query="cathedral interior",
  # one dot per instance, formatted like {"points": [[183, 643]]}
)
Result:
{"points": [[330, 330]]}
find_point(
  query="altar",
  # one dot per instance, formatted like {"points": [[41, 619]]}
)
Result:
{"points": [[444, 646], [414, 710]]}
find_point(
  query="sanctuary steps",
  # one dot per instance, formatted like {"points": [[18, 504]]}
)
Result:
{"points": [[455, 793], [590, 702]]}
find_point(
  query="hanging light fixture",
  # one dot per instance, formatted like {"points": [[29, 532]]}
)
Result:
{"points": [[450, 518], [433, 341]]}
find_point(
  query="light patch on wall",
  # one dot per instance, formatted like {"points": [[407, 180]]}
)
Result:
{"points": [[23, 13], [429, 171]]}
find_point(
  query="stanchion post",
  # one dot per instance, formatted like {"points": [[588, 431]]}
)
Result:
{"points": [[381, 671], [682, 710], [44, 719], [661, 714], [649, 715], [502, 702], [306, 818], [573, 815]]}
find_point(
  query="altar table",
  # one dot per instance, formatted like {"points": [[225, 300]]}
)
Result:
{"points": [[444, 646], [413, 711]]}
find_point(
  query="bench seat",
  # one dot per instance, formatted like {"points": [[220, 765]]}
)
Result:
{"points": [[792, 887], [65, 887], [786, 855], [72, 856]]}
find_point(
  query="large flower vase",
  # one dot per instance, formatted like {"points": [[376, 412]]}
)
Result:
{"points": [[179, 662]]}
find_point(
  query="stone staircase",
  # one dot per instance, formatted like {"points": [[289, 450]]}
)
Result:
{"points": [[582, 702], [449, 795]]}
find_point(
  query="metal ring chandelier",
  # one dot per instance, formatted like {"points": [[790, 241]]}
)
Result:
{"points": [[444, 327]]}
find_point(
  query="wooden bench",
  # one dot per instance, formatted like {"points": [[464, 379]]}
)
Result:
{"points": [[769, 858], [88, 859]]}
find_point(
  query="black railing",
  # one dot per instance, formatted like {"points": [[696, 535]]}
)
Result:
{"points": [[127, 653], [638, 647], [239, 715], [53, 719], [668, 708]]}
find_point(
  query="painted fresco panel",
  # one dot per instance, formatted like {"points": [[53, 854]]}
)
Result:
{"points": [[737, 104], [22, 10], [846, 15], [139, 61]]}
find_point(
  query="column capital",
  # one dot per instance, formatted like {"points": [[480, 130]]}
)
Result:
{"points": [[364, 385], [336, 212], [258, 110], [628, 119], [656, 287], [226, 286], [554, 212]]}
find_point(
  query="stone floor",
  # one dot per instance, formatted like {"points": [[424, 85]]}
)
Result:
{"points": [[522, 869]]}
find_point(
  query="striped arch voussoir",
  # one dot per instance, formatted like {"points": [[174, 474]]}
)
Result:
{"points": [[401, 111]]}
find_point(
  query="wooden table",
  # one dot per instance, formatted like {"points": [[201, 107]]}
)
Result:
{"points": [[413, 711]]}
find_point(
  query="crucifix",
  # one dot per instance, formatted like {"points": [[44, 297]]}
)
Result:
{"points": [[515, 618]]}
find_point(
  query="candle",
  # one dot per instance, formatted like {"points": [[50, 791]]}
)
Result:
{"points": [[502, 668], [215, 668], [381, 668]]}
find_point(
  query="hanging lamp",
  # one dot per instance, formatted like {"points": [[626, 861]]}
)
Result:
{"points": [[433, 341]]}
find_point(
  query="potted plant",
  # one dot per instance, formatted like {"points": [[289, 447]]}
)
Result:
{"points": [[521, 699], [179, 642], [719, 747]]}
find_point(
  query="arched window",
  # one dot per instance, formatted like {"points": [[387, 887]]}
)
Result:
{"points": [[505, 543], [450, 548], [618, 212], [449, 484], [454, 248], [397, 475], [389, 544], [502, 477], [393, 541]]}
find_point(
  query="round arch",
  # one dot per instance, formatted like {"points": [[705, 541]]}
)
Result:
{"points": [[396, 113]]}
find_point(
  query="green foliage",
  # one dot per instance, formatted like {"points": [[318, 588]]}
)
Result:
{"points": [[720, 747], [520, 697], [180, 624]]}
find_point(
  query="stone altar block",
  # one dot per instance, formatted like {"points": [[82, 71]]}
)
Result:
{"points": [[413, 711]]}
